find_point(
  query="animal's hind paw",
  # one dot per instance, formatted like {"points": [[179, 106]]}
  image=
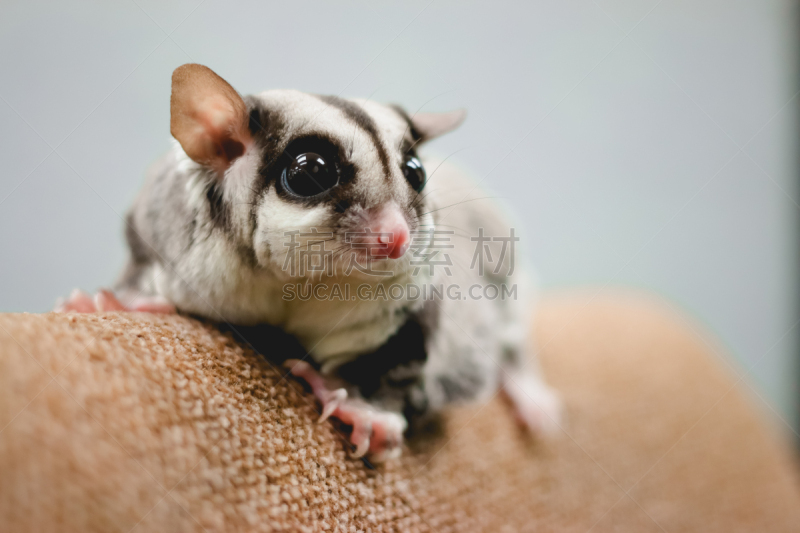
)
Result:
{"points": [[536, 406]]}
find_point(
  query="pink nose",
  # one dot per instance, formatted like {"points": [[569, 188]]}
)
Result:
{"points": [[391, 232]]}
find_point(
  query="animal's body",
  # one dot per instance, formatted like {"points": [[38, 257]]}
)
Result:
{"points": [[279, 209]]}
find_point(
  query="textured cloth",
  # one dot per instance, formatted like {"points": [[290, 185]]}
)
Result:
{"points": [[135, 422]]}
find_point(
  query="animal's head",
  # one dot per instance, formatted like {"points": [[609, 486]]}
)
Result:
{"points": [[291, 171]]}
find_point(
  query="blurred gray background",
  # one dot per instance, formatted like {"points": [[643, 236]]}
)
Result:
{"points": [[643, 143]]}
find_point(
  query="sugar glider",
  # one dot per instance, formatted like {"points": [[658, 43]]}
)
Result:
{"points": [[253, 183]]}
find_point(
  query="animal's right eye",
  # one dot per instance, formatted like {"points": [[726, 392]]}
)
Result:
{"points": [[309, 175], [414, 172]]}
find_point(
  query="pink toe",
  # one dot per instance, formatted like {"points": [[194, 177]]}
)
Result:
{"points": [[387, 437], [153, 304], [106, 301], [78, 301]]}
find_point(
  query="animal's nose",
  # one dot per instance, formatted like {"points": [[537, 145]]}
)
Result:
{"points": [[388, 232]]}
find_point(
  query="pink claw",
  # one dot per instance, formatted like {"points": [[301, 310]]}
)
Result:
{"points": [[337, 397], [362, 429]]}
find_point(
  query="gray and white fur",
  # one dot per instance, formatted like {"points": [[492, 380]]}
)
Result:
{"points": [[213, 243]]}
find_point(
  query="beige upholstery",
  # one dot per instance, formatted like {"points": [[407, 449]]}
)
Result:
{"points": [[130, 422]]}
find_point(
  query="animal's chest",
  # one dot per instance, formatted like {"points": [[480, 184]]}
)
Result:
{"points": [[337, 322], [334, 320]]}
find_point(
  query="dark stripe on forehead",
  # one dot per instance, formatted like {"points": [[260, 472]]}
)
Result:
{"points": [[415, 135], [355, 113]]}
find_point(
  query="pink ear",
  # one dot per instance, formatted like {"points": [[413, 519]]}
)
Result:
{"points": [[431, 125], [208, 117]]}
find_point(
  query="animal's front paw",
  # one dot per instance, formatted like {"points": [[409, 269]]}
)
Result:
{"points": [[535, 404], [374, 430], [105, 301]]}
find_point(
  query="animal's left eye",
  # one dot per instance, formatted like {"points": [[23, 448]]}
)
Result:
{"points": [[414, 172], [309, 175]]}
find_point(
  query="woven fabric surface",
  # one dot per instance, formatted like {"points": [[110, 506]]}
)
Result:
{"points": [[135, 422]]}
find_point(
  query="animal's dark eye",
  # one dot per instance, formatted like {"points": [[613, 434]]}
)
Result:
{"points": [[309, 175], [414, 172]]}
